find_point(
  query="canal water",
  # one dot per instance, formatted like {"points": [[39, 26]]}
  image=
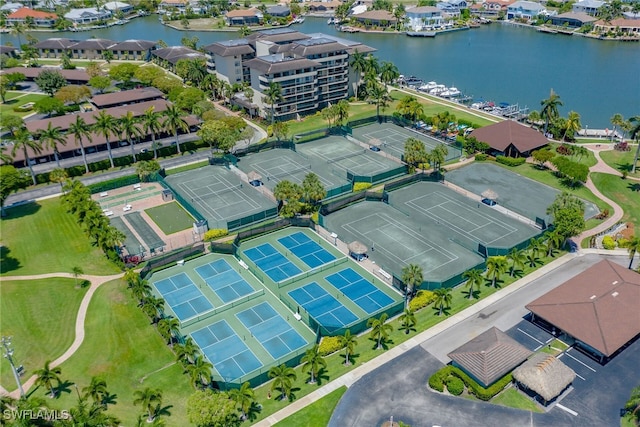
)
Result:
{"points": [[497, 62]]}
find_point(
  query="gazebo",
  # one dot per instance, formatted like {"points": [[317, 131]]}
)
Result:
{"points": [[254, 178], [357, 250], [544, 375], [490, 194]]}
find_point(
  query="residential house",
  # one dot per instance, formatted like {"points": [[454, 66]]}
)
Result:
{"points": [[452, 7], [133, 50], [39, 19], [118, 6], [9, 51], [376, 18], [423, 17], [572, 19], [55, 47], [628, 27], [491, 8], [168, 57], [323, 6], [630, 15], [524, 9], [91, 48], [510, 138], [10, 7], [241, 17], [87, 15], [279, 11], [168, 7], [590, 7]]}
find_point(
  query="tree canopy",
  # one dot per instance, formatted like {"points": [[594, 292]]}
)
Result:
{"points": [[212, 409], [49, 81]]}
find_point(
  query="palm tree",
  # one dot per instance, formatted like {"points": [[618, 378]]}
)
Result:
{"points": [[555, 240], [96, 390], [169, 328], [151, 125], [549, 108], [244, 398], [496, 266], [443, 299], [140, 289], [244, 31], [272, 96], [77, 271], [617, 120], [150, 400], [23, 141], [633, 405], [633, 246], [379, 329], [187, 352], [174, 122], [572, 124], [47, 375], [388, 71], [517, 258], [313, 360], [107, 126], [358, 64], [283, 378], [532, 259], [474, 279], [349, 343], [634, 133], [398, 13], [407, 320], [51, 137], [378, 95], [200, 372], [17, 29], [129, 128], [412, 278], [536, 246], [153, 307], [80, 129]]}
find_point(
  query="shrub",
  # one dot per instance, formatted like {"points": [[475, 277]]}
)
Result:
{"points": [[422, 299], [510, 161], [214, 233], [565, 150], [361, 186], [481, 157], [437, 380], [455, 385], [476, 389], [314, 216], [608, 243], [74, 171], [23, 108], [329, 345], [122, 181]]}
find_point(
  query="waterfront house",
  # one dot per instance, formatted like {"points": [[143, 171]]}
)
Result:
{"points": [[226, 59], [452, 7], [510, 138], [133, 50], [491, 8], [628, 27], [241, 17], [10, 7], [425, 16], [572, 19], [631, 15], [376, 18], [87, 15], [91, 48], [172, 6], [40, 19], [168, 57], [118, 6], [54, 48], [279, 11], [525, 10], [590, 7], [323, 6]]}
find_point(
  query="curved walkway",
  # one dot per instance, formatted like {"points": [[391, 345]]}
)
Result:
{"points": [[96, 281]]}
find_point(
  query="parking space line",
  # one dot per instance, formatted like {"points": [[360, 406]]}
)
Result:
{"points": [[531, 336], [549, 340], [564, 408], [537, 348], [583, 364]]}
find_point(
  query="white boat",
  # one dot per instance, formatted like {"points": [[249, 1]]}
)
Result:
{"points": [[428, 86], [437, 90], [451, 92]]}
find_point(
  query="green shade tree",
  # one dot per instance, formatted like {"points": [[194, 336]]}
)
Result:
{"points": [[380, 330], [50, 81], [48, 106], [290, 194], [100, 83], [314, 362], [218, 135], [11, 180], [313, 190], [208, 408], [633, 405], [348, 342], [123, 72], [415, 154]]}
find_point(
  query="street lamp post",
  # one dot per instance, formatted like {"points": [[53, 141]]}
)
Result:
{"points": [[8, 354]]}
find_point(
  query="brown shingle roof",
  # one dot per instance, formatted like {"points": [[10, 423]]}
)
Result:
{"points": [[500, 135], [278, 35], [242, 13], [175, 53], [490, 355], [55, 43], [136, 45], [545, 375], [31, 73], [7, 49], [598, 306], [235, 49], [126, 96], [94, 44], [376, 15]]}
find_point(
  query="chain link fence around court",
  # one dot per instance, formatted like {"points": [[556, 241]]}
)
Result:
{"points": [[169, 260]]}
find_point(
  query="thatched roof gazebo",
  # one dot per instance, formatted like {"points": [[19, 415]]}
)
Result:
{"points": [[490, 194], [254, 176], [375, 142], [545, 375], [357, 248]]}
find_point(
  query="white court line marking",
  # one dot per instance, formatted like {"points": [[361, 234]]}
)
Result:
{"points": [[583, 364], [564, 408], [531, 336]]}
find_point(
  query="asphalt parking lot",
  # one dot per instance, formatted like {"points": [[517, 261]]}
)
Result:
{"points": [[530, 335]]}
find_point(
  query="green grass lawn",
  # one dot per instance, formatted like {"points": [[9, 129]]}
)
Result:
{"points": [[514, 399], [192, 166], [626, 421], [15, 100], [621, 160], [624, 192], [170, 217], [122, 347], [40, 315], [43, 238], [555, 347], [317, 414]]}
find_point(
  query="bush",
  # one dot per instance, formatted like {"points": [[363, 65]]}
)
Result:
{"points": [[330, 345], [214, 233], [422, 299], [314, 217], [455, 385], [113, 183], [74, 171], [23, 108], [608, 243], [481, 157], [477, 390], [361, 186], [511, 161], [43, 178], [437, 380]]}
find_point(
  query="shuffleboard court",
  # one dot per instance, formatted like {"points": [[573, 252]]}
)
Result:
{"points": [[273, 263], [144, 230], [310, 252], [226, 351], [271, 330], [131, 242], [183, 296], [328, 311], [224, 280], [359, 290]]}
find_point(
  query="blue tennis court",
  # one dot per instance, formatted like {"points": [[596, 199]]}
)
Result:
{"points": [[273, 332], [224, 280], [183, 296], [327, 310], [310, 252], [359, 290], [272, 262], [227, 352]]}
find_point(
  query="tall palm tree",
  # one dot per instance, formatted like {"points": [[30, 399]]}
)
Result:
{"points": [[130, 129], [398, 13], [633, 246], [47, 375], [153, 307], [140, 289], [443, 299], [380, 330], [378, 94], [634, 134], [532, 259], [536, 246], [199, 372], [51, 137], [96, 390], [187, 352], [407, 320], [23, 141], [412, 278], [272, 96], [151, 125], [107, 126], [517, 258], [496, 266], [314, 361], [169, 327], [549, 108], [371, 64], [17, 29], [617, 120], [358, 64], [81, 130], [283, 378], [555, 240], [388, 71], [474, 279], [212, 84], [349, 343], [150, 399], [572, 124], [244, 397], [174, 122]]}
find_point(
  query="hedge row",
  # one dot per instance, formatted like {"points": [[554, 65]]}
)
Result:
{"points": [[422, 299], [330, 345], [215, 233], [510, 161], [481, 157], [122, 181], [443, 376]]}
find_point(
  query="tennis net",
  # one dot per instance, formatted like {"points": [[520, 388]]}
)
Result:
{"points": [[346, 156], [290, 172], [209, 196]]}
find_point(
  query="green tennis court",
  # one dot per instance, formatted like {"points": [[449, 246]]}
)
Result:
{"points": [[170, 217]]}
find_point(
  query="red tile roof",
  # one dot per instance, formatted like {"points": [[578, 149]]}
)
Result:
{"points": [[25, 12]]}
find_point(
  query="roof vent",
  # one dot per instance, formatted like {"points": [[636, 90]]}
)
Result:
{"points": [[615, 294], [593, 297], [615, 282]]}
